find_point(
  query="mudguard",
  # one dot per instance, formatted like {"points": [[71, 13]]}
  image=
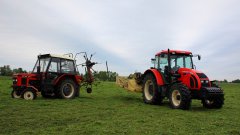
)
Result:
{"points": [[157, 74]]}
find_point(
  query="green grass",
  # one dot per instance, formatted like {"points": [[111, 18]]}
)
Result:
{"points": [[112, 110]]}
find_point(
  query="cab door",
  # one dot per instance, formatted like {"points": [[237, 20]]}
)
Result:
{"points": [[52, 73]]}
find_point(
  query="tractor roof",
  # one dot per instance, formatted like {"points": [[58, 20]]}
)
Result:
{"points": [[174, 52], [56, 56]]}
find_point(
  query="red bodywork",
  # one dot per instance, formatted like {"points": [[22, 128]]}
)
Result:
{"points": [[22, 81], [174, 52], [157, 75], [190, 74]]}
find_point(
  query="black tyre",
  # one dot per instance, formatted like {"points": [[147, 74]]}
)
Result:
{"points": [[46, 95], [89, 90], [180, 97], [67, 89], [151, 95], [29, 95], [213, 103], [15, 94]]}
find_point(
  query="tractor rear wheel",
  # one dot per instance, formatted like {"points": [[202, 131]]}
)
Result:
{"points": [[151, 95], [67, 89], [15, 94], [214, 103], [180, 97], [29, 95]]}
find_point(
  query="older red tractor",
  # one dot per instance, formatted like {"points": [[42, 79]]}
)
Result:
{"points": [[174, 76], [53, 76]]}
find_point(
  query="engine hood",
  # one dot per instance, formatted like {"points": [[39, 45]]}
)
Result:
{"points": [[193, 79], [24, 75], [189, 71]]}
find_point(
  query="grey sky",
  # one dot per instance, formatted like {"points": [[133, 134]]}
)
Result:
{"points": [[126, 33]]}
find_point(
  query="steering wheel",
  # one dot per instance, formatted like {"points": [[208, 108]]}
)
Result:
{"points": [[175, 68]]}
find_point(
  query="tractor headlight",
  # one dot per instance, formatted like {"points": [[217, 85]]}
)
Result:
{"points": [[14, 80], [207, 81], [202, 81]]}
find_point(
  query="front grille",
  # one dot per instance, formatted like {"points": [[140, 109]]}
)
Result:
{"points": [[201, 75], [24, 81], [205, 85]]}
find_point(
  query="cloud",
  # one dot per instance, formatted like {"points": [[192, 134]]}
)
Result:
{"points": [[125, 33]]}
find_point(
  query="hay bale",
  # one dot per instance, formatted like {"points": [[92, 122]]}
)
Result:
{"points": [[122, 81], [133, 86], [129, 84]]}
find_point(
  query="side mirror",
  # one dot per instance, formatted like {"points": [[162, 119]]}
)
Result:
{"points": [[199, 57], [153, 60], [38, 69]]}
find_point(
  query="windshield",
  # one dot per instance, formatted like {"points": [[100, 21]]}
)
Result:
{"points": [[43, 65], [181, 61]]}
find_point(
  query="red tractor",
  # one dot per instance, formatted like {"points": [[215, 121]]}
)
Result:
{"points": [[53, 76], [174, 76]]}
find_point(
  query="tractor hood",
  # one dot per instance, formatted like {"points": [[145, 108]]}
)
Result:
{"points": [[194, 79], [24, 75]]}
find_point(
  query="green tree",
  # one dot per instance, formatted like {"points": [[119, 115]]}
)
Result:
{"points": [[19, 70], [105, 76], [236, 81], [6, 70], [225, 81]]}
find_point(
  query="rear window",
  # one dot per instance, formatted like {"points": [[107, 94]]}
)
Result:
{"points": [[67, 66]]}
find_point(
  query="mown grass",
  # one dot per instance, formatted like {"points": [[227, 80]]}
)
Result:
{"points": [[112, 110]]}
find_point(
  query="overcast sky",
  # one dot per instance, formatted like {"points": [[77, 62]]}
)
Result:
{"points": [[126, 33]]}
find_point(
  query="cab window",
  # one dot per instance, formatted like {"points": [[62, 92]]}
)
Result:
{"points": [[67, 66], [54, 66]]}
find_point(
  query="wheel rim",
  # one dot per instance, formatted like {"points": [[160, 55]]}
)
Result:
{"points": [[28, 95], [209, 102], [148, 90], [68, 90], [15, 95], [176, 98]]}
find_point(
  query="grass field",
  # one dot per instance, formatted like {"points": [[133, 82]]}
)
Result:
{"points": [[112, 110]]}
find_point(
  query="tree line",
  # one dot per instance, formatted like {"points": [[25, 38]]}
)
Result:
{"points": [[104, 76], [99, 75], [7, 71], [226, 81]]}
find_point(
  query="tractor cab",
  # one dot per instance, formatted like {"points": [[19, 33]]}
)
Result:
{"points": [[178, 59], [54, 64]]}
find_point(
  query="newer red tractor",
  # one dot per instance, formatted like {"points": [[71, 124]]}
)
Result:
{"points": [[173, 76], [53, 76]]}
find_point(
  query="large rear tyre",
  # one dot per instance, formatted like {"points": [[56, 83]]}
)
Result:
{"points": [[29, 95], [15, 94], [67, 89], [214, 103], [180, 97], [151, 95]]}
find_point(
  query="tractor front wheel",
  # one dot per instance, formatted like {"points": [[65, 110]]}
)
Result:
{"points": [[29, 95], [15, 94], [67, 89], [151, 95], [180, 97], [214, 103]]}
